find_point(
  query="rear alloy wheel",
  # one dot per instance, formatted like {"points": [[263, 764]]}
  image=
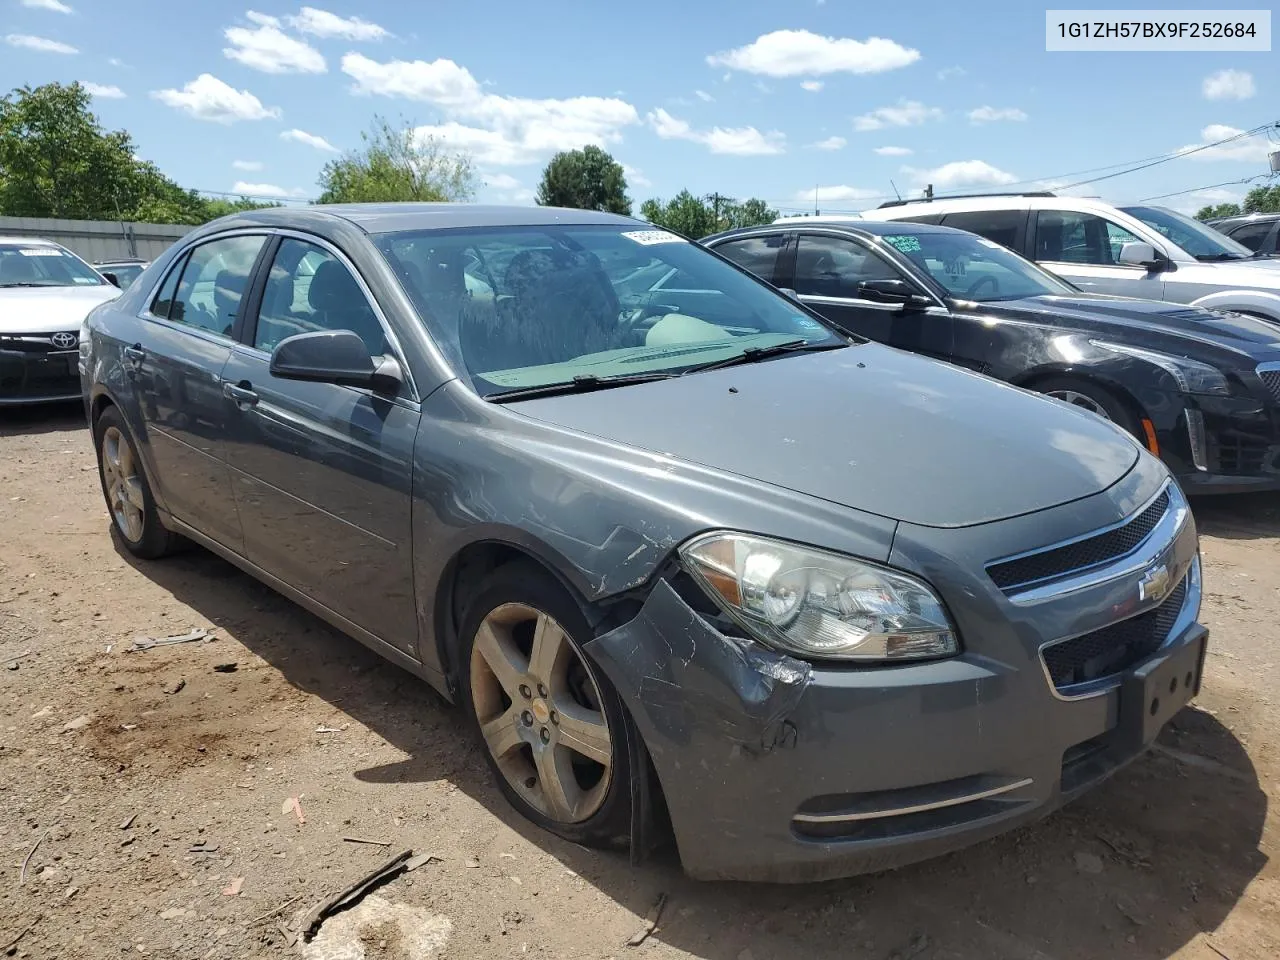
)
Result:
{"points": [[134, 519], [553, 731]]}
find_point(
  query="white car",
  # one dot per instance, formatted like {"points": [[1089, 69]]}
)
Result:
{"points": [[1136, 251], [46, 292]]}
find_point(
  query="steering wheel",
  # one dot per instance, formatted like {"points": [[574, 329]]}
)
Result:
{"points": [[973, 290], [632, 323]]}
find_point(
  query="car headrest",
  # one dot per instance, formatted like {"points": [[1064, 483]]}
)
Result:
{"points": [[228, 288], [333, 288]]}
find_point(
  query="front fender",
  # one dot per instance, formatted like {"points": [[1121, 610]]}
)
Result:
{"points": [[1258, 302]]}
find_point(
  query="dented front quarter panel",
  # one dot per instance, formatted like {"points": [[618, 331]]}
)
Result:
{"points": [[603, 515]]}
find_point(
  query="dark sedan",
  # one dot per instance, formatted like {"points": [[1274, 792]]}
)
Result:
{"points": [[695, 558], [1260, 232], [1199, 388]]}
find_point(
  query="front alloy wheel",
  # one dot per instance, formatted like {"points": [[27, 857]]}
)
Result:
{"points": [[539, 711]]}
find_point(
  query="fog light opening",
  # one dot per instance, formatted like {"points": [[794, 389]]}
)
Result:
{"points": [[1195, 433]]}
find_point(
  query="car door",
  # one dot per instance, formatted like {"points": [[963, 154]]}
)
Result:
{"points": [[827, 271], [322, 473], [1084, 248], [176, 367]]}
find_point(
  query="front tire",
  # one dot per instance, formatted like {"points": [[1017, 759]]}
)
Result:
{"points": [[1098, 400], [135, 522], [552, 729]]}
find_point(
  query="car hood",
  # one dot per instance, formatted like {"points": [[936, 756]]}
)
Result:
{"points": [[868, 427], [1100, 314], [49, 309], [1264, 272]]}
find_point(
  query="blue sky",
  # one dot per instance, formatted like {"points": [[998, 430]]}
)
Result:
{"points": [[744, 97]]}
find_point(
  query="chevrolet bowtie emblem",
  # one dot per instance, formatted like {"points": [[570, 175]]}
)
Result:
{"points": [[1155, 584]]}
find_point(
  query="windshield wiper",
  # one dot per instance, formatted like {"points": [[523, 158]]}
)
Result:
{"points": [[28, 283], [752, 354], [1220, 257], [583, 383]]}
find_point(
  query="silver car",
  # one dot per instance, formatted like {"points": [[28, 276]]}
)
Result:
{"points": [[1137, 251]]}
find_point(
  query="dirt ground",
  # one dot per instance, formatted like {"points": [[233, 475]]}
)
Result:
{"points": [[144, 796]]}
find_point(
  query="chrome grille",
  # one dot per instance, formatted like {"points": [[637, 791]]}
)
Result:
{"points": [[1114, 648], [1271, 380], [38, 343], [1082, 554]]}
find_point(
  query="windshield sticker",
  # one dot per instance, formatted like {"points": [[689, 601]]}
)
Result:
{"points": [[807, 323], [904, 244], [40, 252], [648, 238]]}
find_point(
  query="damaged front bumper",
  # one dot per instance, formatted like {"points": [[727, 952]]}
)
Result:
{"points": [[777, 770]]}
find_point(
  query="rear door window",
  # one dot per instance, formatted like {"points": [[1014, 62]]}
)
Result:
{"points": [[1252, 235], [999, 226], [757, 254], [214, 281]]}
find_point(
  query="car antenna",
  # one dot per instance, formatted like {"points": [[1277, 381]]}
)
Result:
{"points": [[895, 189]]}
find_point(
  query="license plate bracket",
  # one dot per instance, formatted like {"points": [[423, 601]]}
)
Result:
{"points": [[1155, 691]]}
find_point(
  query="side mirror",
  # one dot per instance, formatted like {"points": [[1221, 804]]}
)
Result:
{"points": [[111, 278], [331, 356], [891, 290], [1138, 254]]}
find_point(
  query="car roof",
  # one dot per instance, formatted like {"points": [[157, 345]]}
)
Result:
{"points": [[393, 217], [1027, 201], [29, 241], [122, 260], [861, 228], [1245, 218]]}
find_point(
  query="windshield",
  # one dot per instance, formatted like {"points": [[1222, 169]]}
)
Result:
{"points": [[1202, 242], [126, 273], [970, 267], [41, 265], [524, 307]]}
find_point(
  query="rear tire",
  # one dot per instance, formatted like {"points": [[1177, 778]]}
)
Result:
{"points": [[553, 730], [1098, 400], [135, 523]]}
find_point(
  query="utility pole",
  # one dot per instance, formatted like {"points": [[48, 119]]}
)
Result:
{"points": [[716, 200]]}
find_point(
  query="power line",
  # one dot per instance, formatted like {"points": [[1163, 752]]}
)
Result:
{"points": [[1210, 186], [1181, 153]]}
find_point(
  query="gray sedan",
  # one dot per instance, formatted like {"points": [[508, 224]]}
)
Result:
{"points": [[680, 551]]}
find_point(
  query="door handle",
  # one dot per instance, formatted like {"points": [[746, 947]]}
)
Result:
{"points": [[135, 354], [240, 393]]}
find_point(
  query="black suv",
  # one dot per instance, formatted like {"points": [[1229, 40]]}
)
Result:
{"points": [[1199, 388], [1257, 231]]}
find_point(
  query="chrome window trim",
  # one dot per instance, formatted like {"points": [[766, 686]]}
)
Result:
{"points": [[146, 314], [1177, 506], [914, 808], [1104, 685], [393, 341]]}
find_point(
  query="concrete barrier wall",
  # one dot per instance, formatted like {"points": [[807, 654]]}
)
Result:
{"points": [[95, 240]]}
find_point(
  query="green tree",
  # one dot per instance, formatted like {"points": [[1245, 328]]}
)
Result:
{"points": [[749, 213], [588, 179], [1218, 210], [397, 164], [1262, 200], [684, 214]]}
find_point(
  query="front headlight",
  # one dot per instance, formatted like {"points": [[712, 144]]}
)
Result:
{"points": [[1191, 376], [817, 604]]}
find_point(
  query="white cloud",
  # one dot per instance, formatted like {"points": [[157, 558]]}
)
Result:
{"points": [[962, 173], [507, 130], [906, 113], [994, 114], [951, 73], [57, 6], [1189, 203], [103, 90], [248, 166], [208, 98], [115, 61], [635, 178], [813, 86], [1248, 149], [41, 44], [831, 143], [270, 49], [737, 141], [265, 190], [501, 181], [1229, 85], [310, 139], [791, 53], [836, 194], [703, 96], [893, 151], [322, 23]]}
